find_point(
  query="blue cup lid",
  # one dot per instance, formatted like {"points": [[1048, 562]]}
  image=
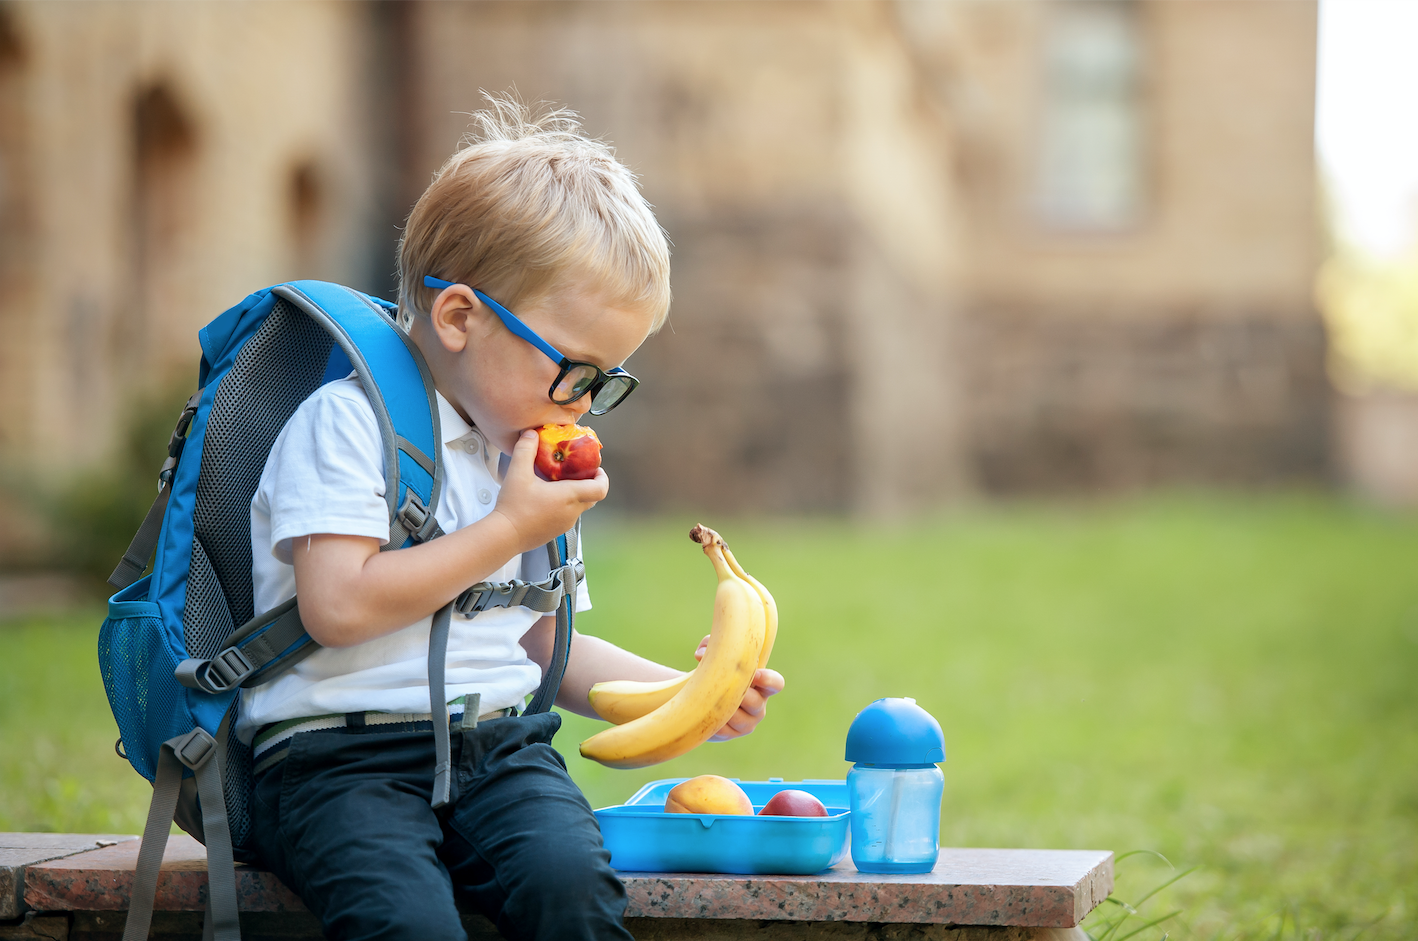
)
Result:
{"points": [[895, 733]]}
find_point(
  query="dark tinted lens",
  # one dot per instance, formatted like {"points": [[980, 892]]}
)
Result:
{"points": [[574, 384], [611, 394]]}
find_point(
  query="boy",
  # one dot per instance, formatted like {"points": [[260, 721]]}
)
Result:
{"points": [[548, 224]]}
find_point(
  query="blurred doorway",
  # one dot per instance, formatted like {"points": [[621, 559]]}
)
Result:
{"points": [[163, 221], [16, 239]]}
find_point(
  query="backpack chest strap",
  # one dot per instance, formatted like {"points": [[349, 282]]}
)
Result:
{"points": [[543, 596]]}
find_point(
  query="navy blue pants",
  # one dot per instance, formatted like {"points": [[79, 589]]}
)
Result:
{"points": [[346, 823]]}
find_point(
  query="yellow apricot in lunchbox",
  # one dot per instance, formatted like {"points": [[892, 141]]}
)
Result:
{"points": [[708, 794]]}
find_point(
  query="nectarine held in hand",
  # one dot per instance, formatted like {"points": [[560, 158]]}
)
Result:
{"points": [[793, 804], [567, 452], [708, 794]]}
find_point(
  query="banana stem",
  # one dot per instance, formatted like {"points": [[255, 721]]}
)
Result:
{"points": [[715, 549], [707, 538]]}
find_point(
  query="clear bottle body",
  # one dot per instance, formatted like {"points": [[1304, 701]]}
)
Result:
{"points": [[895, 817]]}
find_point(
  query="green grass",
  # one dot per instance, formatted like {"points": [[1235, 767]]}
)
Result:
{"points": [[58, 769], [1231, 683]]}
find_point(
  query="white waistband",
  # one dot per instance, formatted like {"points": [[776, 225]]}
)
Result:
{"points": [[319, 723]]}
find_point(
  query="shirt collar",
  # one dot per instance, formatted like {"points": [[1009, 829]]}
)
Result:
{"points": [[450, 422], [456, 433]]}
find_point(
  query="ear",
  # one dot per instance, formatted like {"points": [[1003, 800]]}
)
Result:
{"points": [[452, 316]]}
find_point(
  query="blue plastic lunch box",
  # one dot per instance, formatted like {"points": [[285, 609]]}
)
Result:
{"points": [[641, 837]]}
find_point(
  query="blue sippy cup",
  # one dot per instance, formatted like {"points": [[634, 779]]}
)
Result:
{"points": [[895, 787]]}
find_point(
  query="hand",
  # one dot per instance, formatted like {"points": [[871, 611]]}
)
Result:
{"points": [[540, 510], [754, 706]]}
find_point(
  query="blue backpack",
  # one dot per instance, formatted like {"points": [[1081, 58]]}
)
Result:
{"points": [[180, 643]]}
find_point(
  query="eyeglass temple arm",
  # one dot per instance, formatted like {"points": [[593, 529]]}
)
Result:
{"points": [[508, 318]]}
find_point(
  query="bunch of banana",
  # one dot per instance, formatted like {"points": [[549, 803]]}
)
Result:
{"points": [[660, 721], [619, 701]]}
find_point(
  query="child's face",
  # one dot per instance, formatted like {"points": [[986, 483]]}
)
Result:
{"points": [[497, 380]]}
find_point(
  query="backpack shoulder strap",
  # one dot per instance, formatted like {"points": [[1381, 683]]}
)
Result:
{"points": [[145, 540], [399, 387], [391, 371], [409, 429], [564, 557], [566, 573]]}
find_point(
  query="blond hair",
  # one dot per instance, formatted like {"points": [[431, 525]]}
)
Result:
{"points": [[526, 203]]}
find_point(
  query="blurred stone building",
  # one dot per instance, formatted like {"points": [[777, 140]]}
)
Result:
{"points": [[157, 162], [922, 250]]}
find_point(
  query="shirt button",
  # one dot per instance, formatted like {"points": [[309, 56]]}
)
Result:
{"points": [[472, 445], [485, 496]]}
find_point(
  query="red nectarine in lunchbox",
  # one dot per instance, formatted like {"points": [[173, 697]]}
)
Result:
{"points": [[791, 803]]}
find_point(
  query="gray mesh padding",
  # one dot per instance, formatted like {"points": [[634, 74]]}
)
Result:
{"points": [[206, 622], [236, 783], [275, 371]]}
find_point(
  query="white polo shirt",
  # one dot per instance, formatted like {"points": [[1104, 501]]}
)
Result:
{"points": [[325, 475]]}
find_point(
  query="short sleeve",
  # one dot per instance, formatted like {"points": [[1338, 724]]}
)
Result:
{"points": [[325, 472]]}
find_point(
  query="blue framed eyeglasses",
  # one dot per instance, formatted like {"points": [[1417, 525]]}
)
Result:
{"points": [[606, 387]]}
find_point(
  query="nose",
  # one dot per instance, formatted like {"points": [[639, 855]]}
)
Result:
{"points": [[581, 406]]}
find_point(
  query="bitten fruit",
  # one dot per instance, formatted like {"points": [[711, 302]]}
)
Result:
{"points": [[793, 804], [708, 794], [567, 452]]}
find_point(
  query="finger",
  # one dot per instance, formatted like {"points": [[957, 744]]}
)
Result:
{"points": [[727, 734], [768, 682], [745, 719], [590, 491], [741, 723], [754, 703], [524, 451], [732, 728], [602, 482]]}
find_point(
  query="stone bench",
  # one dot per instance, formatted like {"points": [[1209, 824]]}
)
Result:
{"points": [[75, 887]]}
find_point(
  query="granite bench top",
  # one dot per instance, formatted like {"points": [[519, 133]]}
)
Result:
{"points": [[1002, 887], [21, 850], [1033, 888]]}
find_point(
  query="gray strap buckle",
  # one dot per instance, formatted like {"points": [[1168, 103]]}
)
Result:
{"points": [[486, 595], [416, 519], [178, 441], [194, 749], [543, 596], [223, 672], [570, 576], [231, 667]]}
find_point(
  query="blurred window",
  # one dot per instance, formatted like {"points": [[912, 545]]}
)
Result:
{"points": [[165, 144], [165, 249], [14, 188], [1091, 138], [16, 243], [306, 201]]}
